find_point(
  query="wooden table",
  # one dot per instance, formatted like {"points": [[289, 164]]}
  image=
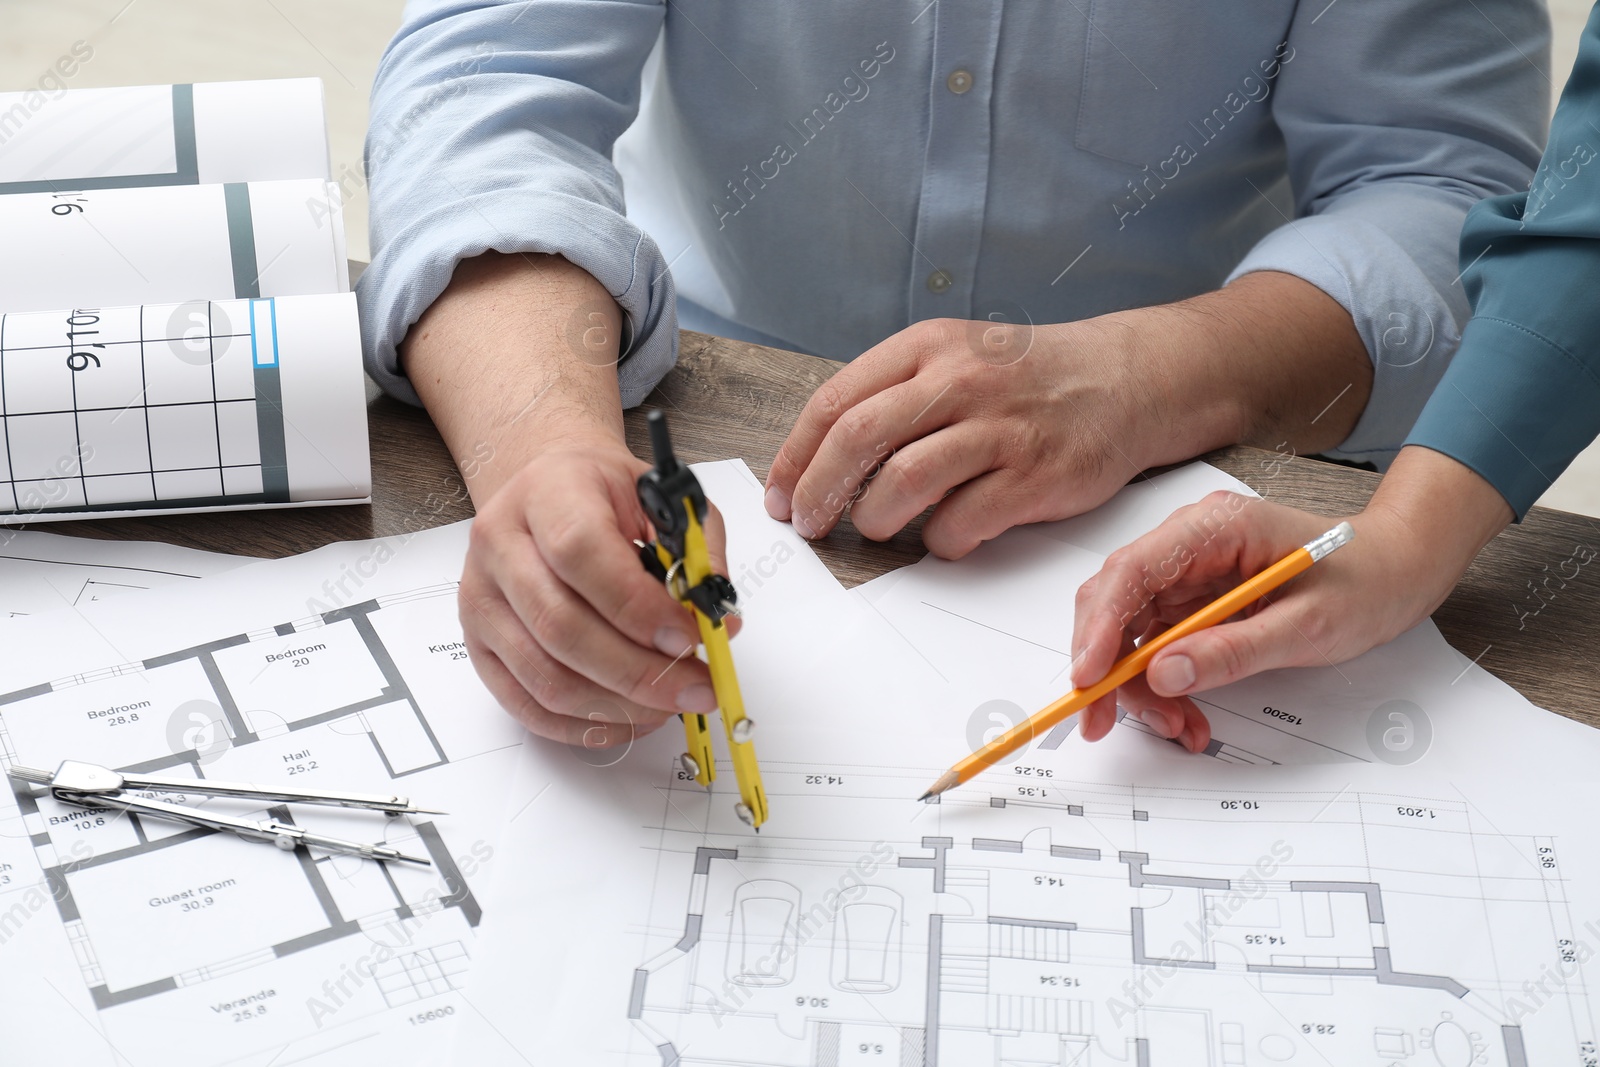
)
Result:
{"points": [[733, 399]]}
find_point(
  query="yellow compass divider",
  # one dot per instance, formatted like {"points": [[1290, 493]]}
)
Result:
{"points": [[724, 681]]}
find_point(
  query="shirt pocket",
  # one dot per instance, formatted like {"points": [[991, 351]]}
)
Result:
{"points": [[1154, 72]]}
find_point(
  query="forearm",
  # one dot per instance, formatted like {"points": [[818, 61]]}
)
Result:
{"points": [[1268, 360], [518, 354]]}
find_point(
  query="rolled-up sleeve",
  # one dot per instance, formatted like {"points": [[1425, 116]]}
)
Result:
{"points": [[1522, 397], [492, 127], [1397, 118]]}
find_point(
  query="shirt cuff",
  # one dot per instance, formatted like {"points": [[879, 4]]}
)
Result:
{"points": [[411, 270], [1506, 410], [1409, 327]]}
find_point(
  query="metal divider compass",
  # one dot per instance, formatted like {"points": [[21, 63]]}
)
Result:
{"points": [[88, 785], [672, 497]]}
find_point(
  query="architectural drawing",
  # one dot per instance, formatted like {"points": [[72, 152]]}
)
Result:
{"points": [[187, 927], [1043, 922]]}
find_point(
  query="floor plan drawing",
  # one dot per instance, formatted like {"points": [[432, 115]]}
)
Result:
{"points": [[230, 688], [1056, 923], [1088, 905], [169, 929]]}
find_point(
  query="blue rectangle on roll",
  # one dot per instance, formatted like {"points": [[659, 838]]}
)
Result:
{"points": [[264, 333]]}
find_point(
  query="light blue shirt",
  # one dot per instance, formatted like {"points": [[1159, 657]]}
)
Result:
{"points": [[818, 175]]}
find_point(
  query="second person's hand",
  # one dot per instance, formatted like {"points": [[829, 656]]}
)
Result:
{"points": [[1413, 541]]}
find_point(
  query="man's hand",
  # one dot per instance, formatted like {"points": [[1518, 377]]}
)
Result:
{"points": [[1015, 424], [564, 625], [995, 425], [1415, 539]]}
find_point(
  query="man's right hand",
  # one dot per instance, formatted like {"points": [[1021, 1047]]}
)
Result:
{"points": [[565, 626]]}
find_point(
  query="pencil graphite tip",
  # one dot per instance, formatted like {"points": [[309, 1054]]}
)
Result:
{"points": [[949, 780], [925, 796]]}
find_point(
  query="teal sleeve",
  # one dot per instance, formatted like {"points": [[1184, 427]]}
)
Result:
{"points": [[1522, 397]]}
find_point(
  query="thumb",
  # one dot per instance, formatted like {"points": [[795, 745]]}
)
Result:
{"points": [[1265, 641]]}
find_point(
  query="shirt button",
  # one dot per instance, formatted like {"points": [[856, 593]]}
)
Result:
{"points": [[938, 281], [959, 81]]}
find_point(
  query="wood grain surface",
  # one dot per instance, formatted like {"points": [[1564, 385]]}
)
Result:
{"points": [[1528, 610]]}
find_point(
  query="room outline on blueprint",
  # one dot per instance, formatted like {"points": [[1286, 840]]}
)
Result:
{"points": [[191, 927], [1043, 922]]}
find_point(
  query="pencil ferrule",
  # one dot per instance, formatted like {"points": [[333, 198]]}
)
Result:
{"points": [[1337, 537]]}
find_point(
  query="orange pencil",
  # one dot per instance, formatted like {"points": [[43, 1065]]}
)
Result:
{"points": [[1134, 663]]}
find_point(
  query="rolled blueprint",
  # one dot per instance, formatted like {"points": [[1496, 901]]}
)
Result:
{"points": [[146, 135], [205, 404], [117, 247]]}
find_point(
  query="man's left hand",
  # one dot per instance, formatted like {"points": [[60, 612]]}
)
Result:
{"points": [[994, 425]]}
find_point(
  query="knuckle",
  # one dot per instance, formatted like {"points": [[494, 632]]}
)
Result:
{"points": [[829, 402], [908, 475], [1122, 561], [485, 531], [856, 424], [561, 693], [1316, 628], [940, 334], [466, 599], [1233, 656], [952, 538], [567, 545], [472, 611], [1224, 504], [784, 470], [550, 620]]}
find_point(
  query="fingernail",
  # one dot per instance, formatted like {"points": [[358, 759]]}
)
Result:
{"points": [[777, 504], [697, 697], [674, 643], [1156, 721], [1173, 675], [803, 527], [1186, 739]]}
